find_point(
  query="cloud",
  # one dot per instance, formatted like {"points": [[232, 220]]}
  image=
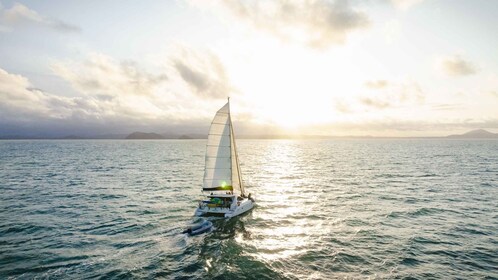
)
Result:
{"points": [[120, 88], [19, 15], [20, 102], [377, 84], [101, 75], [378, 103], [342, 106], [457, 66], [203, 73], [382, 95], [317, 23], [392, 94]]}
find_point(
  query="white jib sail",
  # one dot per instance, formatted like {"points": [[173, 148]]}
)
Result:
{"points": [[222, 170]]}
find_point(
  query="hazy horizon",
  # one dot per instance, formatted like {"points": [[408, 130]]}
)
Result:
{"points": [[475, 134], [399, 68]]}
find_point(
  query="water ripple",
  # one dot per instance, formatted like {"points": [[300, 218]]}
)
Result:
{"points": [[403, 209]]}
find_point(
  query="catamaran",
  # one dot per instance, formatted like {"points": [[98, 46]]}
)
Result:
{"points": [[222, 177]]}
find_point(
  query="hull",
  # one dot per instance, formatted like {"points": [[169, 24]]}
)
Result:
{"points": [[225, 212]]}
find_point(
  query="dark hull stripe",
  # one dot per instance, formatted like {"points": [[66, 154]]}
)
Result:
{"points": [[210, 214], [220, 188]]}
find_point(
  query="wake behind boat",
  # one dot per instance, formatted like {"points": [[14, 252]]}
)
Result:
{"points": [[222, 176]]}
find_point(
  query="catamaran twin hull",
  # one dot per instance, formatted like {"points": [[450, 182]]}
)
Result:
{"points": [[230, 206]]}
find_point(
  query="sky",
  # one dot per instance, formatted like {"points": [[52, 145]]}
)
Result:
{"points": [[310, 67]]}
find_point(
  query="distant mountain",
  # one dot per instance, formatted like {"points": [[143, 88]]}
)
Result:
{"points": [[108, 136], [184, 136], [144, 135], [168, 135], [478, 133]]}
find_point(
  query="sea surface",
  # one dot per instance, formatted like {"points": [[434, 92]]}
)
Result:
{"points": [[356, 209]]}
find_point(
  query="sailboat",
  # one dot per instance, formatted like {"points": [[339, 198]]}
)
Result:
{"points": [[222, 182]]}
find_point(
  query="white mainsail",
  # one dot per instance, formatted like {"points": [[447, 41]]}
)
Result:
{"points": [[222, 172]]}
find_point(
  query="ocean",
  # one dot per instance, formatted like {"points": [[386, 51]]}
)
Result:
{"points": [[325, 209]]}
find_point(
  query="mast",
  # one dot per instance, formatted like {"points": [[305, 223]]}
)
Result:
{"points": [[237, 162], [232, 138]]}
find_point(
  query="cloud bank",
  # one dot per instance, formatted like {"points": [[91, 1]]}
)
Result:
{"points": [[117, 95]]}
